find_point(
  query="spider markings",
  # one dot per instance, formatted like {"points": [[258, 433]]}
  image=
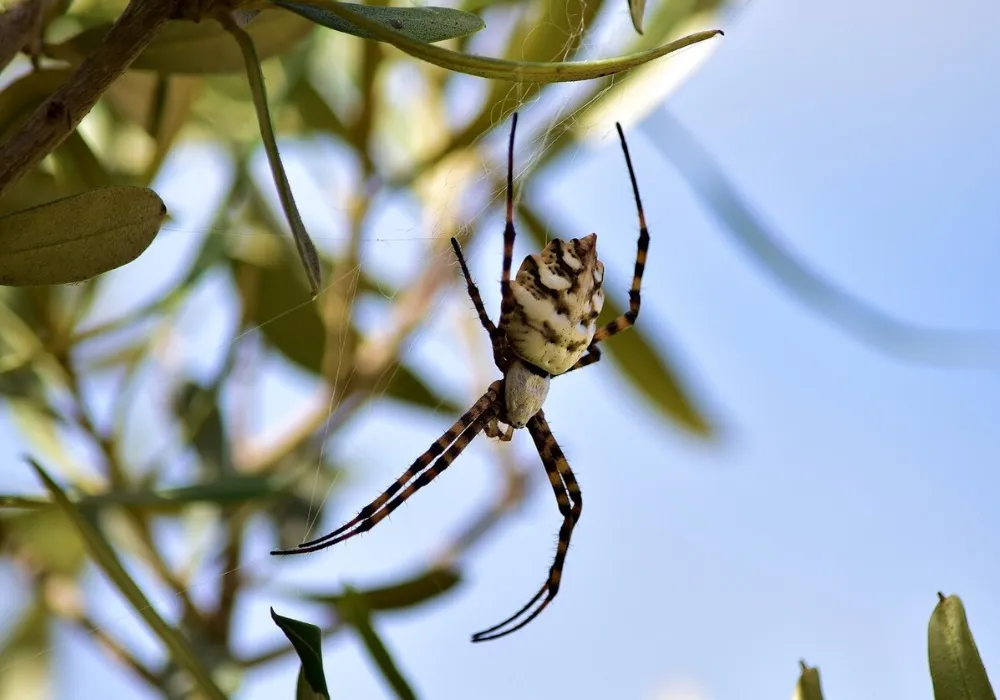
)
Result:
{"points": [[547, 323]]}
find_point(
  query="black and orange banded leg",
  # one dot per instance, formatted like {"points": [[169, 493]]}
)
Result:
{"points": [[506, 292], [570, 501], [634, 297], [457, 437]]}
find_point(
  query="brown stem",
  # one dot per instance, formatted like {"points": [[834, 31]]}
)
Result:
{"points": [[17, 26], [58, 116]]}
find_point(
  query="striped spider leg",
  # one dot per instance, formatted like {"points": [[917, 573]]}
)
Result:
{"points": [[547, 327]]}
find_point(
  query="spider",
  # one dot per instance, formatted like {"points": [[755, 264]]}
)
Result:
{"points": [[547, 327]]}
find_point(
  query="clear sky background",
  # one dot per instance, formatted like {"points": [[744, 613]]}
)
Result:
{"points": [[850, 488]]}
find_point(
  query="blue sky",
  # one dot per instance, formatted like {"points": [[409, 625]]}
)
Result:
{"points": [[850, 488]]}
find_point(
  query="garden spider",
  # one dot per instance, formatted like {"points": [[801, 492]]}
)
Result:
{"points": [[548, 326]]}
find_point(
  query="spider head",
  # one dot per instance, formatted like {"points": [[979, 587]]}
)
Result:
{"points": [[525, 389]]}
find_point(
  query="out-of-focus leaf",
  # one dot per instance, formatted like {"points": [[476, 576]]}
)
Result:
{"points": [[303, 243], [652, 373], [196, 48], [846, 310], [233, 489], [636, 8], [649, 370], [23, 655], [161, 104], [36, 421], [354, 611], [78, 237], [279, 306], [308, 642], [36, 187], [50, 538], [77, 166], [198, 410], [105, 558], [313, 109], [427, 23], [499, 69], [406, 386], [406, 594], [20, 99], [957, 671]]}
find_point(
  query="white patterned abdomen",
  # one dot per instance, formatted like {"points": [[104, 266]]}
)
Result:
{"points": [[557, 298]]}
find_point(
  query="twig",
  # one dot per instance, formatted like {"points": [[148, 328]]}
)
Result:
{"points": [[56, 118], [17, 26]]}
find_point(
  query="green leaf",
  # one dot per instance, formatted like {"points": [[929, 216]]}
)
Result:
{"points": [[308, 642], [808, 687], [196, 48], [406, 594], [648, 369], [636, 8], [957, 672], [427, 24], [327, 11], [78, 237], [107, 560], [354, 611], [304, 244]]}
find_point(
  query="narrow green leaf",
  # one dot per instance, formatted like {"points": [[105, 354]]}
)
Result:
{"points": [[354, 611], [636, 8], [427, 24], [308, 642], [406, 594], [195, 48], [105, 558], [851, 313], [957, 672], [304, 244], [78, 237], [649, 370], [326, 11]]}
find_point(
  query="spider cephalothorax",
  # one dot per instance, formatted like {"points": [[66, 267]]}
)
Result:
{"points": [[547, 327]]}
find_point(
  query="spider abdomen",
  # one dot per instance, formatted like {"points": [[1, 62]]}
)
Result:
{"points": [[557, 298]]}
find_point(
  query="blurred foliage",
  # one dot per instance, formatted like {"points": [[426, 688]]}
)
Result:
{"points": [[957, 672], [172, 450]]}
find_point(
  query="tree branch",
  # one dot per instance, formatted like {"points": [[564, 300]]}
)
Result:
{"points": [[56, 118], [16, 26]]}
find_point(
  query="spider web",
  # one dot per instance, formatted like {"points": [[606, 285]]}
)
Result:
{"points": [[544, 117]]}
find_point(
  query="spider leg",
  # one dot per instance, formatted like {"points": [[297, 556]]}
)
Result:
{"points": [[570, 502], [593, 355], [456, 438], [634, 298], [484, 318], [507, 293]]}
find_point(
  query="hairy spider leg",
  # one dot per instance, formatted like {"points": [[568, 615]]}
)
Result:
{"points": [[628, 318], [455, 439], [570, 501], [507, 293], [496, 339]]}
